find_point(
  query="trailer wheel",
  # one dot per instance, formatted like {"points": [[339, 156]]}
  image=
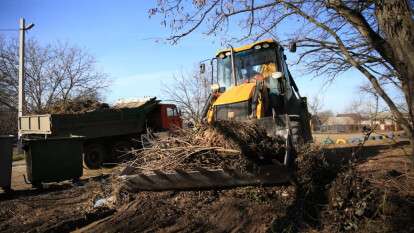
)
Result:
{"points": [[93, 156]]}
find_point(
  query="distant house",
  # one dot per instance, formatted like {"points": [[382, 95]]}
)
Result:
{"points": [[341, 124], [318, 120], [383, 121], [355, 116], [354, 122]]}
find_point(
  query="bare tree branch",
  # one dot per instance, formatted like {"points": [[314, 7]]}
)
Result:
{"points": [[53, 73]]}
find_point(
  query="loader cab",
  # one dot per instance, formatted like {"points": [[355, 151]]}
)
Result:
{"points": [[259, 61], [252, 81]]}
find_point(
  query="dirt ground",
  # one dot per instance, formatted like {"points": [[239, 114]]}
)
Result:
{"points": [[373, 194], [237, 210], [59, 208], [19, 172]]}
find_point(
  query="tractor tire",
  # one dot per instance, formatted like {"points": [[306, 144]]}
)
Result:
{"points": [[94, 156]]}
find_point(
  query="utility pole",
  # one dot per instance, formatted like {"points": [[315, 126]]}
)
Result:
{"points": [[21, 68], [21, 103]]}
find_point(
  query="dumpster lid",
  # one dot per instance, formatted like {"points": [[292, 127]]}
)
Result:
{"points": [[72, 137]]}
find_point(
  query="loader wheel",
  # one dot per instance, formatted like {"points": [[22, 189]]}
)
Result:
{"points": [[94, 156]]}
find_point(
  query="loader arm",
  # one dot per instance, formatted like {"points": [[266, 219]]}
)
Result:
{"points": [[207, 106]]}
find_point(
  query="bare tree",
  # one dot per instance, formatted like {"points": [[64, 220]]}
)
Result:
{"points": [[374, 37], [315, 105], [54, 73], [189, 92]]}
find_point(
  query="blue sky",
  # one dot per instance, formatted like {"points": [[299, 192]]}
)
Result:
{"points": [[118, 34]]}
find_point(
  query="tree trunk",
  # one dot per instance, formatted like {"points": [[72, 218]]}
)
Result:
{"points": [[395, 20]]}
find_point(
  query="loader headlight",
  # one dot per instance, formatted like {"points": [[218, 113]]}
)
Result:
{"points": [[257, 46], [277, 75], [265, 46], [214, 87], [228, 53]]}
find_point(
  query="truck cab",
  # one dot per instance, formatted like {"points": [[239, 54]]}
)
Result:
{"points": [[165, 117]]}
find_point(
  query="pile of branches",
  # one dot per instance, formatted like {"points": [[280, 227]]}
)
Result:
{"points": [[223, 144], [76, 106], [364, 200]]}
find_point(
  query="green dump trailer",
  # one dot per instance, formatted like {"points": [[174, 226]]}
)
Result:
{"points": [[56, 144], [53, 160]]}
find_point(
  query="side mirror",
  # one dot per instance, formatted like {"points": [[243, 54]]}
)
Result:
{"points": [[202, 68], [292, 47]]}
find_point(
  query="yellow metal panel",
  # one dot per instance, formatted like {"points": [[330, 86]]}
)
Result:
{"points": [[259, 109], [236, 94], [246, 47], [210, 115]]}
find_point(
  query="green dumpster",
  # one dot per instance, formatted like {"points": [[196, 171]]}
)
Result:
{"points": [[53, 159], [6, 154]]}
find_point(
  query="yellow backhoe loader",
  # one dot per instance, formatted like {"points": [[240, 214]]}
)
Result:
{"points": [[249, 83], [253, 83]]}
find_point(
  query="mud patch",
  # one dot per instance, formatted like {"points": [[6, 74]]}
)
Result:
{"points": [[237, 210], [54, 211]]}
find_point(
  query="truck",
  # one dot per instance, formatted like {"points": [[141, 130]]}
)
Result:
{"points": [[106, 134]]}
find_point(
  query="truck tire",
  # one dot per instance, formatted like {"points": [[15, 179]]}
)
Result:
{"points": [[119, 151], [93, 156]]}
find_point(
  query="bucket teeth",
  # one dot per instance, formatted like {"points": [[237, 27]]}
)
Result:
{"points": [[202, 178], [211, 174], [162, 175], [184, 174], [146, 178]]}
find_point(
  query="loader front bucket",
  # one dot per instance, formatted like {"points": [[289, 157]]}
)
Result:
{"points": [[202, 179]]}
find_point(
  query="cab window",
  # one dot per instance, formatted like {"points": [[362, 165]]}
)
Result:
{"points": [[287, 77], [171, 112]]}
